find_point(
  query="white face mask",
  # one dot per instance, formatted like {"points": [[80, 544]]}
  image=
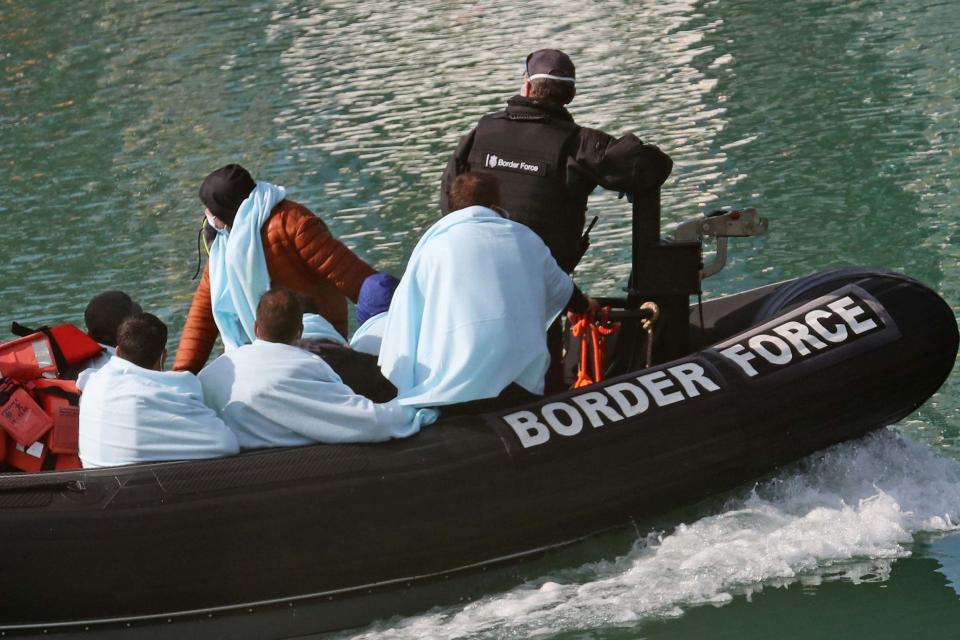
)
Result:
{"points": [[213, 221]]}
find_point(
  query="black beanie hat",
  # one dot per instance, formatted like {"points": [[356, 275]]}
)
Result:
{"points": [[224, 190]]}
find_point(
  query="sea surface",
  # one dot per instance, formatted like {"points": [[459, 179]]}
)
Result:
{"points": [[837, 119]]}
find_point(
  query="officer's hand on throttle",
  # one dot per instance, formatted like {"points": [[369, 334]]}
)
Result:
{"points": [[592, 307]]}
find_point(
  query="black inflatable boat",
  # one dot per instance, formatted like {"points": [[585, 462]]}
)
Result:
{"points": [[289, 542]]}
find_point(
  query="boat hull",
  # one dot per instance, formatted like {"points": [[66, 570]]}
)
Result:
{"points": [[283, 533]]}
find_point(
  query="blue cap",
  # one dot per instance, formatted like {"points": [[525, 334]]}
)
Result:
{"points": [[375, 295]]}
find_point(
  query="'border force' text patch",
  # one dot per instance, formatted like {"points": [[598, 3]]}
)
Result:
{"points": [[529, 167]]}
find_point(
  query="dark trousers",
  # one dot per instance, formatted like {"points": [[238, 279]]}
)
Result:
{"points": [[358, 370]]}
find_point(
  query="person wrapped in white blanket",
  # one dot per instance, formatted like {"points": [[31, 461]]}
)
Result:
{"points": [[103, 316], [132, 411], [357, 370], [468, 322], [372, 306], [273, 394]]}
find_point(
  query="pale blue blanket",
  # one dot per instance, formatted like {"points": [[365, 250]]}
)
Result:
{"points": [[96, 362], [316, 327], [129, 414], [471, 312], [238, 267], [277, 395], [369, 335]]}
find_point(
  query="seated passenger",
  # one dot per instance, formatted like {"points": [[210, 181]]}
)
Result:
{"points": [[372, 305], [103, 316], [469, 319], [273, 394], [132, 411], [356, 369]]}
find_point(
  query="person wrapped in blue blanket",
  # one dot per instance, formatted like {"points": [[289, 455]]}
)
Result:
{"points": [[372, 306], [132, 411], [468, 321], [356, 368], [273, 394], [103, 316]]}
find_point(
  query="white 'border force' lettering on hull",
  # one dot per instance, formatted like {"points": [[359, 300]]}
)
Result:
{"points": [[819, 330], [610, 404]]}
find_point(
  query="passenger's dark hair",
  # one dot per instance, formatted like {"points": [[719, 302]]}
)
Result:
{"points": [[279, 316], [556, 91], [141, 339], [307, 304], [105, 312], [471, 189]]}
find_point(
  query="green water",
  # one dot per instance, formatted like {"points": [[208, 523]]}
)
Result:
{"points": [[838, 120]]}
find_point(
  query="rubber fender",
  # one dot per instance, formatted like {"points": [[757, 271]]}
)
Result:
{"points": [[808, 288]]}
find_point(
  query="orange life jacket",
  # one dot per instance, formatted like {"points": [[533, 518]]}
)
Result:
{"points": [[60, 399], [38, 412]]}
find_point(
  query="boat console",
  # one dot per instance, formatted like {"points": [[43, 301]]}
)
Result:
{"points": [[665, 272], [720, 225]]}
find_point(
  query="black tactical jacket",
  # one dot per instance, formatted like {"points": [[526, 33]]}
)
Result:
{"points": [[547, 166]]}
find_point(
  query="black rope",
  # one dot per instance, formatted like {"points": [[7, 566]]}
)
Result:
{"points": [[199, 253], [703, 330]]}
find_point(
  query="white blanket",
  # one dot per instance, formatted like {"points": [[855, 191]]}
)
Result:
{"points": [[277, 395], [316, 327], [369, 335], [471, 312], [96, 362], [129, 414]]}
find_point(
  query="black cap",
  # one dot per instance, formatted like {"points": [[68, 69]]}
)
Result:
{"points": [[551, 63], [224, 190], [104, 314]]}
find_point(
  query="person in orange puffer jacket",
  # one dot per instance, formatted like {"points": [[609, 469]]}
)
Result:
{"points": [[300, 253]]}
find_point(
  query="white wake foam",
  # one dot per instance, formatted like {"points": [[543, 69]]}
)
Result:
{"points": [[847, 512]]}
